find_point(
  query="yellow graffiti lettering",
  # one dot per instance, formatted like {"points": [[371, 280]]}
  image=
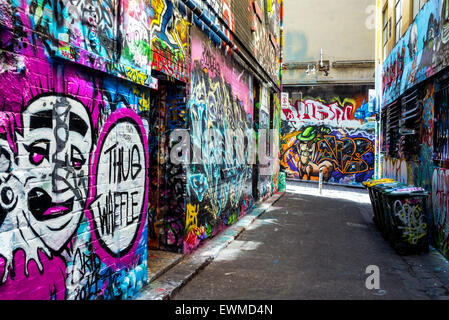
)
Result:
{"points": [[136, 76], [192, 216]]}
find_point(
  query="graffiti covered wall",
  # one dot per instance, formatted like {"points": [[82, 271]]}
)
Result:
{"points": [[169, 32], [265, 45], [411, 159], [416, 71], [219, 178], [329, 129], [420, 53], [74, 159], [92, 92]]}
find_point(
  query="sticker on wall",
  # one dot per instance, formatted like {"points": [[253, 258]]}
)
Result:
{"points": [[284, 100]]}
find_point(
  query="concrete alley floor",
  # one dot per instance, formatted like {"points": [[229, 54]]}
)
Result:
{"points": [[309, 246]]}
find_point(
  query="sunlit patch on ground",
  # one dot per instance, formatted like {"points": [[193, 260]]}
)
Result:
{"points": [[359, 195], [236, 248]]}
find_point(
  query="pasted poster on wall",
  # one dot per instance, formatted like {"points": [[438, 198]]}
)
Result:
{"points": [[264, 137]]}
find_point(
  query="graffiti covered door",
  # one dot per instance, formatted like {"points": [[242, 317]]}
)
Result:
{"points": [[167, 180], [155, 215]]}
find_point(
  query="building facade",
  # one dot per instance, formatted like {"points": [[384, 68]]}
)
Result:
{"points": [[328, 124], [94, 98], [413, 95]]}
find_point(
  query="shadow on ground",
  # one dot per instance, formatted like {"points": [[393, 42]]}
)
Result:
{"points": [[311, 246]]}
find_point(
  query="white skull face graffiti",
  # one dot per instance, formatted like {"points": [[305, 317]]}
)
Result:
{"points": [[55, 156], [44, 183]]}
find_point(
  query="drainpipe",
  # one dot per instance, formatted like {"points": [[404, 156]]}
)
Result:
{"points": [[281, 53]]}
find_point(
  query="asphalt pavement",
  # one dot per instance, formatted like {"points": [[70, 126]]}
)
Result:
{"points": [[312, 246]]}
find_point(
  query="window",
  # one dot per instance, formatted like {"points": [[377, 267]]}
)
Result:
{"points": [[383, 136], [409, 125], [441, 130], [389, 34], [398, 24], [385, 30], [417, 5], [385, 25]]}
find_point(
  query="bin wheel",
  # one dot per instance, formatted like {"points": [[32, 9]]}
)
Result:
{"points": [[377, 224], [391, 239], [401, 248], [424, 248]]}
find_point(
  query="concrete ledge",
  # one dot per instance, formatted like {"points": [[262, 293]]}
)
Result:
{"points": [[160, 262], [172, 279]]}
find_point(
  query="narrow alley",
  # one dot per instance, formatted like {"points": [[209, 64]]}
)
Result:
{"points": [[224, 150], [328, 241]]}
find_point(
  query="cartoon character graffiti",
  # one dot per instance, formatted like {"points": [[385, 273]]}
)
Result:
{"points": [[342, 158], [44, 182], [66, 231], [306, 147]]}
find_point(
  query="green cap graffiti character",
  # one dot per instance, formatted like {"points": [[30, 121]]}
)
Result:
{"points": [[307, 135], [307, 149]]}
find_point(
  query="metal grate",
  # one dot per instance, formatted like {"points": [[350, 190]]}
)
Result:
{"points": [[392, 128]]}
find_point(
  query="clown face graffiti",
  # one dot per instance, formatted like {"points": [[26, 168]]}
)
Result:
{"points": [[46, 185], [57, 143]]}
